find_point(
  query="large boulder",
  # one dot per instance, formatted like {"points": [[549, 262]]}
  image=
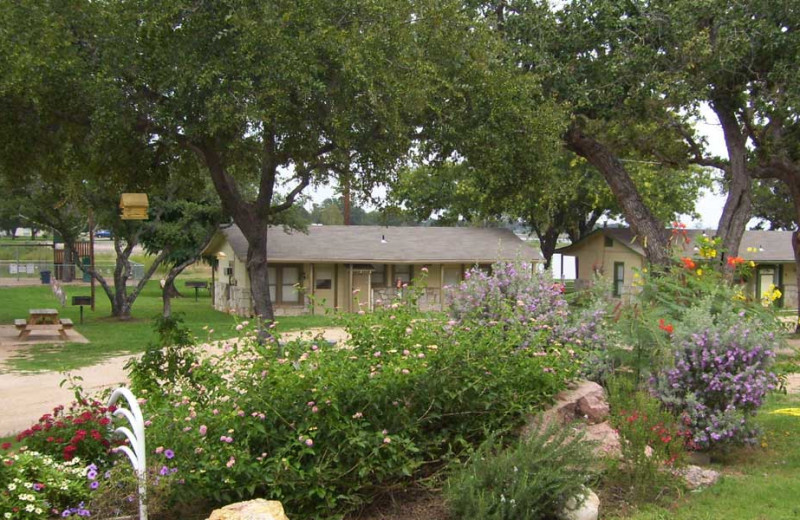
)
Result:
{"points": [[607, 439], [583, 406], [584, 400], [697, 477], [258, 509], [588, 510]]}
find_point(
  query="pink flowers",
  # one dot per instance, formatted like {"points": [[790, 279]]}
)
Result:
{"points": [[231, 462], [226, 439], [203, 429]]}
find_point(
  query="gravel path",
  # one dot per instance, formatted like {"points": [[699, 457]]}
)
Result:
{"points": [[25, 398]]}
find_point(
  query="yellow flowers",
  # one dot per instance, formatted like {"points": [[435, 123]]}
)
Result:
{"points": [[769, 296], [699, 272], [794, 412], [708, 252]]}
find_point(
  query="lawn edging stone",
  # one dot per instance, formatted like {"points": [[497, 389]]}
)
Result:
{"points": [[258, 509]]}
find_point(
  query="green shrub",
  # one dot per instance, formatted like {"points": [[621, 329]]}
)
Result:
{"points": [[325, 428], [168, 359], [533, 479]]}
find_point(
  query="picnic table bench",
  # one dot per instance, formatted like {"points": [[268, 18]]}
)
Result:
{"points": [[43, 320]]}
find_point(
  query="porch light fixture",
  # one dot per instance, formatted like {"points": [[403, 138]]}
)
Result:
{"points": [[383, 239], [221, 254], [760, 248]]}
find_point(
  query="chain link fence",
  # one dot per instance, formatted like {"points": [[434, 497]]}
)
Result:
{"points": [[21, 270]]}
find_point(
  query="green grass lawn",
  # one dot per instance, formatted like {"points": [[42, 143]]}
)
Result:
{"points": [[109, 336], [760, 483]]}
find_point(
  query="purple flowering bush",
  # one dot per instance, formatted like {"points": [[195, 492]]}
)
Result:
{"points": [[517, 298], [719, 380]]}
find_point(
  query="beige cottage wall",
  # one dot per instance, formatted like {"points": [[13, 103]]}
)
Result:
{"points": [[235, 297], [790, 286], [594, 258]]}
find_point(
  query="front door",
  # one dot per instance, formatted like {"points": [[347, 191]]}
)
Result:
{"points": [[361, 300], [768, 278]]}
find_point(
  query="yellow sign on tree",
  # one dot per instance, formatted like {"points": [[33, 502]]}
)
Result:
{"points": [[134, 206]]}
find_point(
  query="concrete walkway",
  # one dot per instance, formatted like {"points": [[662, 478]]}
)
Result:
{"points": [[25, 398]]}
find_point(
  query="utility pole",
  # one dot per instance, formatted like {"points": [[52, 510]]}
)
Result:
{"points": [[91, 253]]}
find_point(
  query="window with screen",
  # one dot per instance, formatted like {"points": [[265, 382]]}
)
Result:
{"points": [[619, 277], [290, 278], [272, 278], [403, 273], [379, 275], [284, 283]]}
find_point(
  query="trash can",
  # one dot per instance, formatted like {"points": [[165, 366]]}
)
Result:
{"points": [[45, 276]]}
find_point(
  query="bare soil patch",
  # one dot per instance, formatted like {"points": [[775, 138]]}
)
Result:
{"points": [[406, 505]]}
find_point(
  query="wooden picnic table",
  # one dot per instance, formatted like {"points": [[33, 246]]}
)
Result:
{"points": [[43, 320]]}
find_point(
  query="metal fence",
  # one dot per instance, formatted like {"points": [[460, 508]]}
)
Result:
{"points": [[21, 270]]}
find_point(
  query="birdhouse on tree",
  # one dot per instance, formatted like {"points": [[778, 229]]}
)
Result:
{"points": [[134, 206]]}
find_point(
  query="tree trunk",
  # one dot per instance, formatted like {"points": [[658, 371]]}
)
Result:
{"points": [[121, 300], [258, 273], [793, 183], [548, 241], [169, 291], [67, 269], [651, 233], [253, 221], [796, 249], [737, 210]]}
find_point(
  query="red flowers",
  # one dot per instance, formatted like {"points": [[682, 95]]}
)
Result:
{"points": [[667, 327], [733, 261], [688, 263], [80, 431]]}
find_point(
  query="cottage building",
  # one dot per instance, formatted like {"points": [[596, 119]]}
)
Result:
{"points": [[350, 268], [617, 254]]}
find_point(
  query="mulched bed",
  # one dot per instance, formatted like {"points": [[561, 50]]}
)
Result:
{"points": [[406, 505]]}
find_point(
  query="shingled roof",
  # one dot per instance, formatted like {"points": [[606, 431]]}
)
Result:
{"points": [[766, 246], [367, 244]]}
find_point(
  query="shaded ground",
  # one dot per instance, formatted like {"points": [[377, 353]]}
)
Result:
{"points": [[411, 505]]}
